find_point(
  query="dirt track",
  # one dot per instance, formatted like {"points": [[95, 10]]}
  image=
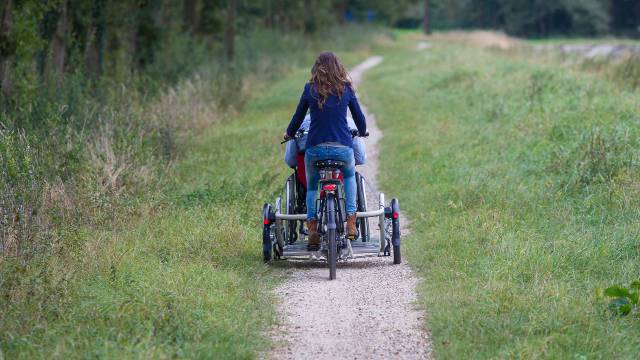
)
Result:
{"points": [[368, 312]]}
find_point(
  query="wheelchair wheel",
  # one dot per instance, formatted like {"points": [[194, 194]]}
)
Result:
{"points": [[363, 223], [290, 233]]}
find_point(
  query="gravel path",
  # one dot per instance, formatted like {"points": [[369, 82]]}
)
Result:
{"points": [[368, 312]]}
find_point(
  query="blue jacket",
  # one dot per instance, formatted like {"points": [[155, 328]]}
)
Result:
{"points": [[300, 144], [328, 124]]}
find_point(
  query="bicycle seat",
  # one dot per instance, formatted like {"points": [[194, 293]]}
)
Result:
{"points": [[322, 164]]}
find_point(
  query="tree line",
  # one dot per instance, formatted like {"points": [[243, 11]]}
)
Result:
{"points": [[540, 18], [42, 40]]}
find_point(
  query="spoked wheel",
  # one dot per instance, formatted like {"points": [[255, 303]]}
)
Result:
{"points": [[332, 253], [363, 223], [290, 205]]}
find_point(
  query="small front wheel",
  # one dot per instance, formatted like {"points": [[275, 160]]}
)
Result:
{"points": [[332, 253]]}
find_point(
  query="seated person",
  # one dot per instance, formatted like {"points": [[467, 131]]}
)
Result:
{"points": [[298, 145]]}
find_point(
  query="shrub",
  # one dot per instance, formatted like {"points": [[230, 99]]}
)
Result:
{"points": [[20, 190]]}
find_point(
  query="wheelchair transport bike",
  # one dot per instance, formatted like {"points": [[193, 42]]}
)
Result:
{"points": [[284, 234]]}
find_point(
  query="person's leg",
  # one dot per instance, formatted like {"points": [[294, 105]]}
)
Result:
{"points": [[350, 188], [313, 177], [349, 175]]}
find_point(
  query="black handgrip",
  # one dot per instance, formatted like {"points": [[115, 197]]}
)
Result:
{"points": [[355, 132]]}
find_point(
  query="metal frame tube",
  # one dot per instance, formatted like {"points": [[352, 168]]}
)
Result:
{"points": [[381, 222]]}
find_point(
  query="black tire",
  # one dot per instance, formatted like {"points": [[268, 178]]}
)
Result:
{"points": [[363, 223], [267, 246], [397, 257], [290, 203], [395, 230], [332, 252]]}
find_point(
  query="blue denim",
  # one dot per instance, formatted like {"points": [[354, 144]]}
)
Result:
{"points": [[321, 152]]}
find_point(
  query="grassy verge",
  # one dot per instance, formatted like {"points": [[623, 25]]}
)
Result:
{"points": [[521, 180], [183, 277]]}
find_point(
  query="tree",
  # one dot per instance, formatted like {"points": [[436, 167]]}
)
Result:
{"points": [[7, 46], [96, 40], [426, 25], [230, 29], [190, 15], [58, 45]]}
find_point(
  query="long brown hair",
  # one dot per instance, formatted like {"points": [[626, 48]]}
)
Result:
{"points": [[328, 76]]}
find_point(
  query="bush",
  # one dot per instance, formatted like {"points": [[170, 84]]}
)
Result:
{"points": [[20, 191]]}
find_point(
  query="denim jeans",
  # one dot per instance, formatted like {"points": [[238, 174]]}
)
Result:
{"points": [[321, 152]]}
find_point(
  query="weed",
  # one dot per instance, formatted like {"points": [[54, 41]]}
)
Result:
{"points": [[624, 301]]}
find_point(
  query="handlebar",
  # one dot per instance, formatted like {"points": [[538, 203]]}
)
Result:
{"points": [[300, 132], [356, 133]]}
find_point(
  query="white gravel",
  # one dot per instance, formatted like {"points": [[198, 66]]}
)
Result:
{"points": [[368, 312]]}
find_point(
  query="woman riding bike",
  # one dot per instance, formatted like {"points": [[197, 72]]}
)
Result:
{"points": [[327, 96]]}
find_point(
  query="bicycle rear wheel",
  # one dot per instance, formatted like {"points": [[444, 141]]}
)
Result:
{"points": [[332, 253]]}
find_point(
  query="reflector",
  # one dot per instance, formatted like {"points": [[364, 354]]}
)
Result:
{"points": [[329, 187]]}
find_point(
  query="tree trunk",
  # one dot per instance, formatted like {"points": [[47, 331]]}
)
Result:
{"points": [[58, 46], [425, 22], [308, 17], [230, 30], [269, 16], [190, 9], [7, 47], [340, 10], [95, 47]]}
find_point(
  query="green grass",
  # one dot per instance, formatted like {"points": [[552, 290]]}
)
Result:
{"points": [[579, 40], [522, 183], [186, 278]]}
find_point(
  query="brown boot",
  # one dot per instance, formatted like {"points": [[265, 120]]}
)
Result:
{"points": [[314, 238], [352, 231]]}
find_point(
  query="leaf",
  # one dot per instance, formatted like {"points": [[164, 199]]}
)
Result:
{"points": [[625, 309], [634, 298], [620, 305], [635, 285], [616, 291]]}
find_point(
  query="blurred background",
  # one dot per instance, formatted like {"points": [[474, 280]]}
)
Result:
{"points": [[42, 40]]}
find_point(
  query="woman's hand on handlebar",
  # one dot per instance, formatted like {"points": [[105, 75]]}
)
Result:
{"points": [[286, 137], [355, 132]]}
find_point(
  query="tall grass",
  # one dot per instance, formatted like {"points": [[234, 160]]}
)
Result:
{"points": [[521, 180], [147, 244]]}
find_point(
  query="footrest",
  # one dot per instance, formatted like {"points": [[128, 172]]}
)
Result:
{"points": [[300, 248]]}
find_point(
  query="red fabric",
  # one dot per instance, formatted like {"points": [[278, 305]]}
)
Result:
{"points": [[302, 175], [300, 170]]}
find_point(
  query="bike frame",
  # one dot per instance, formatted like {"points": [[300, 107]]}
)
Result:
{"points": [[331, 183]]}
